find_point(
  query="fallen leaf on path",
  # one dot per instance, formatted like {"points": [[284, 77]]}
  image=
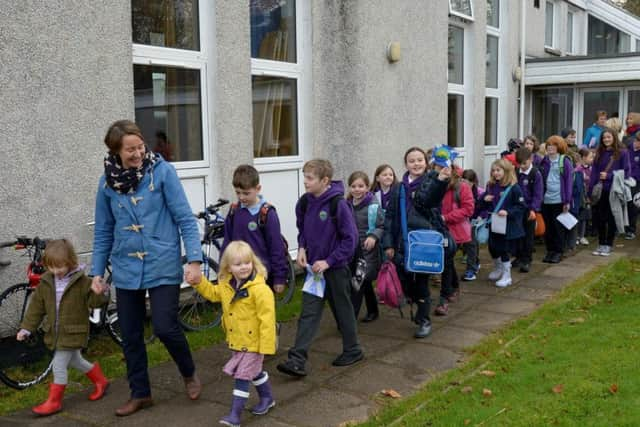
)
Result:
{"points": [[508, 354], [467, 422], [557, 323], [614, 388], [391, 393], [486, 392], [577, 320], [500, 342], [488, 373], [557, 389], [466, 389]]}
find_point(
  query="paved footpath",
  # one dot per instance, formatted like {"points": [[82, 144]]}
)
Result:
{"points": [[329, 396]]}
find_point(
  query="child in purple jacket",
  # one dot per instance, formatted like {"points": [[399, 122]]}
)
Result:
{"points": [[327, 239], [530, 182], [256, 222], [557, 175], [610, 156]]}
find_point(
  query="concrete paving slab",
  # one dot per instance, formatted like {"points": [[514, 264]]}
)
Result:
{"points": [[455, 338], [422, 356], [506, 305], [335, 407], [527, 293], [481, 320], [372, 377]]}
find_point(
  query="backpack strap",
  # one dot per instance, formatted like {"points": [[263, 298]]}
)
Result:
{"points": [[561, 163], [262, 214], [502, 199]]}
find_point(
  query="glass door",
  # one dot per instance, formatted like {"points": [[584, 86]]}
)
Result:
{"points": [[599, 99]]}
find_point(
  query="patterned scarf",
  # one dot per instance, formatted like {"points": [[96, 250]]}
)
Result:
{"points": [[123, 180]]}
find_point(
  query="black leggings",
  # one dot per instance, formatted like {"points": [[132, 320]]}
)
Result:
{"points": [[603, 220]]}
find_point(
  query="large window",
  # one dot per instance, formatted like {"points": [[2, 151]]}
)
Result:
{"points": [[490, 121], [548, 24], [168, 78], [604, 39], [455, 121], [633, 101], [166, 23], [456, 55], [492, 62], [493, 13], [462, 8], [552, 111], [569, 46], [276, 72]]}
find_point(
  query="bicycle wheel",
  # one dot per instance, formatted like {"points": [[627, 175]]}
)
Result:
{"points": [[285, 296], [22, 363], [112, 323], [197, 313]]}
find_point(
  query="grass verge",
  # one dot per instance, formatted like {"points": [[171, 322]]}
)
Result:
{"points": [[573, 362], [103, 349]]}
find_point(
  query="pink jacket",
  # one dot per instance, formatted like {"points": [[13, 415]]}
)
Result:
{"points": [[457, 216]]}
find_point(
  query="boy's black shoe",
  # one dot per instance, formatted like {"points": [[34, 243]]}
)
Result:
{"points": [[555, 258], [347, 359], [547, 257], [292, 368], [515, 263], [370, 317], [524, 267]]}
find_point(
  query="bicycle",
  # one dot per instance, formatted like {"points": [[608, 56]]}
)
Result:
{"points": [[197, 313], [22, 363]]}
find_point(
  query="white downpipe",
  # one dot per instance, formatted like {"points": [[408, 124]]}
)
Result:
{"points": [[523, 8]]}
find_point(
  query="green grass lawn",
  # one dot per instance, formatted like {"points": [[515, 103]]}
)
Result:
{"points": [[574, 362], [103, 349]]}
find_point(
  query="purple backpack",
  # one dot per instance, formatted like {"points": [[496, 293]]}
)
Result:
{"points": [[388, 286]]}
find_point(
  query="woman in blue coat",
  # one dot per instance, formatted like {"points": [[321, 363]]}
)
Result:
{"points": [[141, 214]]}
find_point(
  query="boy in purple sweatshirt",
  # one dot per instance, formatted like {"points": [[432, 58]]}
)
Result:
{"points": [[530, 182], [327, 239], [256, 222]]}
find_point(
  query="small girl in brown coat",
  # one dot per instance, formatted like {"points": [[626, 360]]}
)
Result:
{"points": [[63, 300]]}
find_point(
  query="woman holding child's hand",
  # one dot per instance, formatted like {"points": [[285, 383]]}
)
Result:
{"points": [[141, 216]]}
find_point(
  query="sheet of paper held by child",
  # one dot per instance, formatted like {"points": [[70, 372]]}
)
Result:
{"points": [[498, 224], [567, 220], [314, 283]]}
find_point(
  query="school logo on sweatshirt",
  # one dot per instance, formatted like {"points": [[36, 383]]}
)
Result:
{"points": [[252, 226], [323, 215]]}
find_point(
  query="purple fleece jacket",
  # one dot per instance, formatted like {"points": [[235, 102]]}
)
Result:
{"points": [[566, 180], [323, 237], [267, 242], [532, 192], [600, 164]]}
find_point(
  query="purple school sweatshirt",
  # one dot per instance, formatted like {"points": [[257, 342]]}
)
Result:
{"points": [[634, 159], [323, 237], [266, 242], [532, 193], [566, 180], [600, 164]]}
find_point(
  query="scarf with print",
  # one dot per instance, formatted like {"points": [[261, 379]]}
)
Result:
{"points": [[411, 187], [125, 181]]}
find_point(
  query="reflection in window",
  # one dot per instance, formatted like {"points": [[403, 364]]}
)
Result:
{"points": [[548, 25], [607, 100], [569, 47], [491, 121], [167, 23], [633, 101], [169, 110], [455, 121], [492, 62], [493, 13], [604, 39], [552, 111], [456, 55], [273, 30], [462, 7], [275, 116]]}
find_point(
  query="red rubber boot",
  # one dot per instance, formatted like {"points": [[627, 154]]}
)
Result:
{"points": [[53, 403], [98, 379]]}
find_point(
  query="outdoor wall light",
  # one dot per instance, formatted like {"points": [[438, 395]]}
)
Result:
{"points": [[393, 52], [516, 75]]}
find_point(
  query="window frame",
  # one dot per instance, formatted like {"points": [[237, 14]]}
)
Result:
{"points": [[143, 54], [553, 24], [462, 15], [498, 92], [291, 70], [570, 42], [499, 17], [463, 89]]}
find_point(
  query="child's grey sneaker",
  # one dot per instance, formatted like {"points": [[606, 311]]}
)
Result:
{"points": [[584, 241], [606, 251], [598, 251], [629, 236]]}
